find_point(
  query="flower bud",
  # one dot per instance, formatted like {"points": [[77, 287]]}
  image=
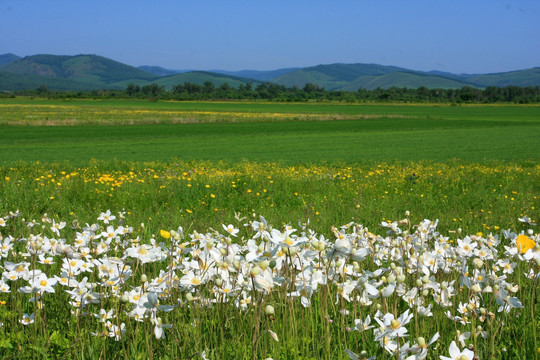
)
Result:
{"points": [[144, 278], [292, 251], [269, 310], [255, 271], [444, 285], [478, 263], [264, 264], [218, 282], [421, 342]]}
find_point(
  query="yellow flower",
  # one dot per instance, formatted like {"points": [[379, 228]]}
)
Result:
{"points": [[524, 243], [165, 234]]}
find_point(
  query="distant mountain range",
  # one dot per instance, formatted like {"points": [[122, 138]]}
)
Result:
{"points": [[88, 72]]}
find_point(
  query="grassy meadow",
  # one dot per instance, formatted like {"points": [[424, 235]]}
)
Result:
{"points": [[265, 132], [268, 230]]}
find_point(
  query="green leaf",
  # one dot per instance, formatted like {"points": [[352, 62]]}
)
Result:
{"points": [[59, 340], [5, 344]]}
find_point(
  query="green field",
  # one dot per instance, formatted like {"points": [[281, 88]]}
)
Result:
{"points": [[187, 270], [293, 133]]}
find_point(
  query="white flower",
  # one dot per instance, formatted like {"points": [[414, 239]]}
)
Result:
{"points": [[466, 246], [363, 325], [39, 283], [393, 327], [56, 227], [105, 315], [159, 326], [27, 319], [230, 229], [527, 220], [106, 217], [456, 354]]}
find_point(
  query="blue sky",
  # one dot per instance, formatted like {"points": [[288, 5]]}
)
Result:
{"points": [[460, 36]]}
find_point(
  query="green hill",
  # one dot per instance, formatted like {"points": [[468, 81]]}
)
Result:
{"points": [[333, 76], [351, 77], [200, 77], [158, 70], [403, 79], [88, 72], [7, 58], [529, 77], [195, 77], [303, 76], [18, 82], [262, 75], [92, 70]]}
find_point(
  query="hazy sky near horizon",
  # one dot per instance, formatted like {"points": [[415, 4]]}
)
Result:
{"points": [[459, 36]]}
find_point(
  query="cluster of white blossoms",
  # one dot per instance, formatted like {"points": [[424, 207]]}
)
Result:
{"points": [[412, 272]]}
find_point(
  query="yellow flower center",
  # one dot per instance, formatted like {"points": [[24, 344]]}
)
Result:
{"points": [[394, 324]]}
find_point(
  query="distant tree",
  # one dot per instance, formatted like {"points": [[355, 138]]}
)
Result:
{"points": [[208, 87], [152, 90], [224, 87], [192, 88], [133, 89], [42, 90], [312, 88]]}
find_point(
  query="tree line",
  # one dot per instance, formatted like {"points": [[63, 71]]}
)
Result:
{"points": [[309, 92]]}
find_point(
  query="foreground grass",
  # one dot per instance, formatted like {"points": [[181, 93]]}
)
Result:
{"points": [[476, 197]]}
